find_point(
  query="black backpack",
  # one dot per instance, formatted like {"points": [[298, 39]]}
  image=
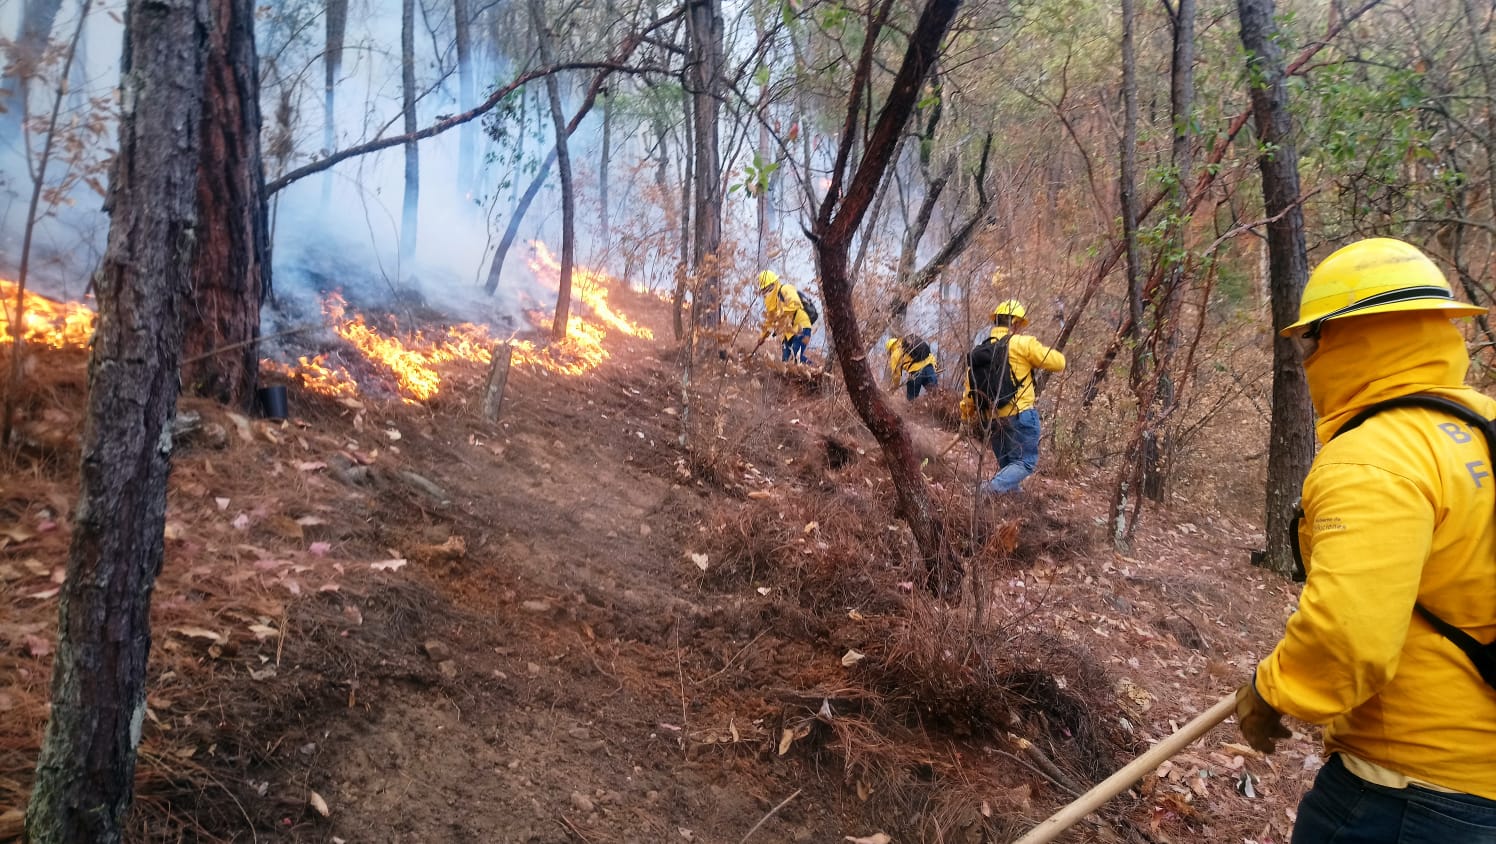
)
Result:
{"points": [[809, 306], [915, 346], [1484, 656], [992, 382]]}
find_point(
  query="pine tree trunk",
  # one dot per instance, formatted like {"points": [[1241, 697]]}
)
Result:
{"points": [[231, 268], [467, 135], [412, 149], [1158, 440], [704, 75], [563, 170], [332, 62], [602, 173], [1126, 486], [1291, 442], [86, 768]]}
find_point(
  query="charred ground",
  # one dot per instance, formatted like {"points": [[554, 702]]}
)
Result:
{"points": [[571, 627]]}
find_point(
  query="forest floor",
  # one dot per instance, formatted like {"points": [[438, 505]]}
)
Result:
{"points": [[393, 622]]}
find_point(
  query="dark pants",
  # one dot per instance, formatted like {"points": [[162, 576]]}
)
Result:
{"points": [[794, 347], [1342, 808], [1015, 443], [926, 377]]}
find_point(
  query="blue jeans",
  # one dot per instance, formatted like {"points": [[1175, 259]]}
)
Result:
{"points": [[1344, 809], [1015, 442], [926, 377], [794, 348]]}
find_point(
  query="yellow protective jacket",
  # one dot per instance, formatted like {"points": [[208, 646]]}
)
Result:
{"points": [[783, 313], [900, 364], [1397, 510], [1025, 354]]}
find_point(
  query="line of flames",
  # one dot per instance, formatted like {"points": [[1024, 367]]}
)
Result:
{"points": [[46, 322], [412, 359]]}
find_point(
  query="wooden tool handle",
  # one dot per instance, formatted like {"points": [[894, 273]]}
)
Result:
{"points": [[1134, 770]]}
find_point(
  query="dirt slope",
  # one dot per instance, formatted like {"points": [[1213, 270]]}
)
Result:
{"points": [[569, 628]]}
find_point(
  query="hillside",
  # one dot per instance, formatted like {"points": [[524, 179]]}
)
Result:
{"points": [[387, 620]]}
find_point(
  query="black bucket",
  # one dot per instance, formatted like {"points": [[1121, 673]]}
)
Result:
{"points": [[272, 401]]}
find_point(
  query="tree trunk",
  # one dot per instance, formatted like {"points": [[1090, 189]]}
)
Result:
{"points": [[86, 768], [835, 226], [332, 63], [37, 19], [1127, 475], [467, 136], [602, 172], [563, 169], [1291, 441], [522, 207], [231, 267], [412, 150], [704, 80], [1158, 441], [683, 265]]}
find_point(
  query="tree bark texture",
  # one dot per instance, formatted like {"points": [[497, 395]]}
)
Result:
{"points": [[1291, 441], [704, 81], [87, 763], [231, 268], [835, 225], [408, 218], [563, 170]]}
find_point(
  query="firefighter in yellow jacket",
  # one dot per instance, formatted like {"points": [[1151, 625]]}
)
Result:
{"points": [[1398, 522], [1011, 421], [784, 315], [911, 362]]}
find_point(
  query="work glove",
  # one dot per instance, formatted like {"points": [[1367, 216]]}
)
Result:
{"points": [[1261, 725]]}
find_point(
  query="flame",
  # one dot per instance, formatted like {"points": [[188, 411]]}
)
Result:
{"points": [[414, 359], [590, 287], [46, 322]]}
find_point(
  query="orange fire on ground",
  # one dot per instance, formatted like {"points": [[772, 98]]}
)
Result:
{"points": [[414, 359], [46, 322]]}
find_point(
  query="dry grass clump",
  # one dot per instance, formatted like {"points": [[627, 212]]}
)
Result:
{"points": [[825, 552]]}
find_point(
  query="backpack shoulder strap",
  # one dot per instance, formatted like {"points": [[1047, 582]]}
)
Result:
{"points": [[1482, 655], [1431, 402]]}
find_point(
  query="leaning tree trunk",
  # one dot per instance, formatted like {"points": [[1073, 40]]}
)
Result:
{"points": [[563, 170], [1291, 443], [231, 269], [412, 149], [522, 207], [836, 224], [704, 80], [87, 763]]}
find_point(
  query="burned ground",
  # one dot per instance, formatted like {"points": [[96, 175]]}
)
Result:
{"points": [[570, 627]]}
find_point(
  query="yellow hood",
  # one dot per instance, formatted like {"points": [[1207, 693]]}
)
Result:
{"points": [[1366, 359]]}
